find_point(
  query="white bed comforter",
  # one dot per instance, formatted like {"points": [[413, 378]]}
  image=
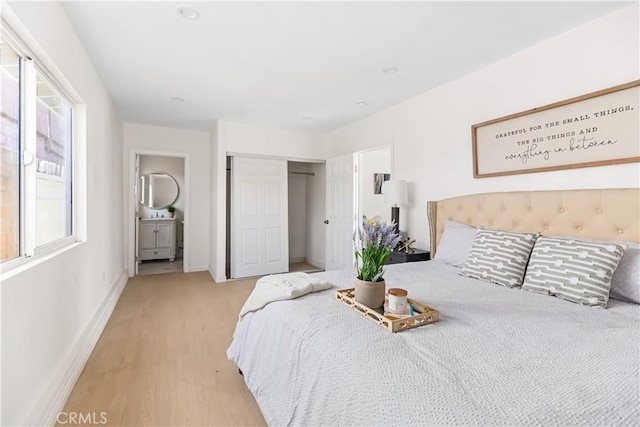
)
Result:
{"points": [[496, 357]]}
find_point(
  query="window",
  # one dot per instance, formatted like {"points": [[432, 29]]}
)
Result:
{"points": [[36, 147], [53, 164], [9, 152]]}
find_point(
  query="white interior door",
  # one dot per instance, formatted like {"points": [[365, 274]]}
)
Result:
{"points": [[259, 217], [340, 220]]}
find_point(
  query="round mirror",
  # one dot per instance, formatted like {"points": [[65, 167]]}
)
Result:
{"points": [[157, 190]]}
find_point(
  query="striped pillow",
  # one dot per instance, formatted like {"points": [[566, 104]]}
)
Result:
{"points": [[499, 256], [575, 270]]}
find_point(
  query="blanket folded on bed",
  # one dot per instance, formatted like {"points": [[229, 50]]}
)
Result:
{"points": [[280, 287]]}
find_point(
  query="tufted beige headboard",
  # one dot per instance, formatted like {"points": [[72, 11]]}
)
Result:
{"points": [[598, 214]]}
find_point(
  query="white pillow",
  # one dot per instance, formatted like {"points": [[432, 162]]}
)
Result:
{"points": [[455, 243]]}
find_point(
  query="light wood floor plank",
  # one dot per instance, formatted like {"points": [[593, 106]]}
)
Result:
{"points": [[161, 359]]}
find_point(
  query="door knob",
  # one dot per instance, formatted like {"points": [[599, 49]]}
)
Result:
{"points": [[326, 221]]}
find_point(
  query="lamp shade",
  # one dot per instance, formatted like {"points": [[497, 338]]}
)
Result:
{"points": [[395, 192]]}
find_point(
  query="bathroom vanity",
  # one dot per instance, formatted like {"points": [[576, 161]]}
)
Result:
{"points": [[157, 238]]}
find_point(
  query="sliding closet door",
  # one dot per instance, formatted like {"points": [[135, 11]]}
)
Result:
{"points": [[259, 217]]}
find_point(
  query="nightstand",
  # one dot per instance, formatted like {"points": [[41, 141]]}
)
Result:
{"points": [[413, 256]]}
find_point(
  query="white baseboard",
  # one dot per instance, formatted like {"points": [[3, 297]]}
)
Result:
{"points": [[55, 395], [196, 269], [218, 279]]}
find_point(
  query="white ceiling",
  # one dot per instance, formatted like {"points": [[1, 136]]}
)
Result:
{"points": [[273, 63]]}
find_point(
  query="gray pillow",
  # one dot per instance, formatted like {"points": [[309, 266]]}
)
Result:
{"points": [[575, 270], [455, 243], [499, 256], [625, 283]]}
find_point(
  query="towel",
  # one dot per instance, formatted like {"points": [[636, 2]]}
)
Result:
{"points": [[279, 287]]}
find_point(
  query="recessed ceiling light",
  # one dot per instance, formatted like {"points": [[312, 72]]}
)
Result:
{"points": [[177, 99], [390, 70], [361, 104], [189, 13], [307, 118]]}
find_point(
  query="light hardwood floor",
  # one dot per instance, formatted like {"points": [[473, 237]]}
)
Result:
{"points": [[161, 359], [304, 267]]}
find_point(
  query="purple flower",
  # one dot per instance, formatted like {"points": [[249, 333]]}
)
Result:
{"points": [[373, 240]]}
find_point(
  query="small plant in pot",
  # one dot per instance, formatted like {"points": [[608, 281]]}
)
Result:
{"points": [[171, 210], [373, 242]]}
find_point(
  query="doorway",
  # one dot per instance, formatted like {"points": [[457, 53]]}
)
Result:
{"points": [[158, 212], [305, 216], [354, 184], [160, 215]]}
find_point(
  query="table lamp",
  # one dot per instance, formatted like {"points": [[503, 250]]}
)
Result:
{"points": [[395, 193]]}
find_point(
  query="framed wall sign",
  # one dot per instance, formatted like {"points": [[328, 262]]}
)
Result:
{"points": [[600, 128]]}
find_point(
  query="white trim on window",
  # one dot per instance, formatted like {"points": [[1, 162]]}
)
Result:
{"points": [[28, 149]]}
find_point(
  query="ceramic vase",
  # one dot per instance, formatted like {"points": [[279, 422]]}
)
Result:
{"points": [[370, 294]]}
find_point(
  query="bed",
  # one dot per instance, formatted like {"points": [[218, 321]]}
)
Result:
{"points": [[498, 356]]}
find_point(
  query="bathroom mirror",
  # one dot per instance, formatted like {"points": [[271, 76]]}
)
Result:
{"points": [[157, 190]]}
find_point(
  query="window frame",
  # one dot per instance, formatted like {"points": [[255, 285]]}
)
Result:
{"points": [[35, 60], [59, 243]]}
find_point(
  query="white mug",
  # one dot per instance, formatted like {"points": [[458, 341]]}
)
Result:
{"points": [[398, 300]]}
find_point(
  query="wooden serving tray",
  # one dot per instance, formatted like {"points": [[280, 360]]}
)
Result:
{"points": [[424, 314]]}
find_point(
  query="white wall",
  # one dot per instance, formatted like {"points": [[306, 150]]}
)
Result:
{"points": [[218, 203], [243, 138], [49, 311], [431, 133], [369, 163], [195, 145]]}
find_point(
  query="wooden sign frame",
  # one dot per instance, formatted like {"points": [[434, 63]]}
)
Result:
{"points": [[599, 128]]}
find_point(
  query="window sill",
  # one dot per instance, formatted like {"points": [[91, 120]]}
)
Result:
{"points": [[18, 266]]}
